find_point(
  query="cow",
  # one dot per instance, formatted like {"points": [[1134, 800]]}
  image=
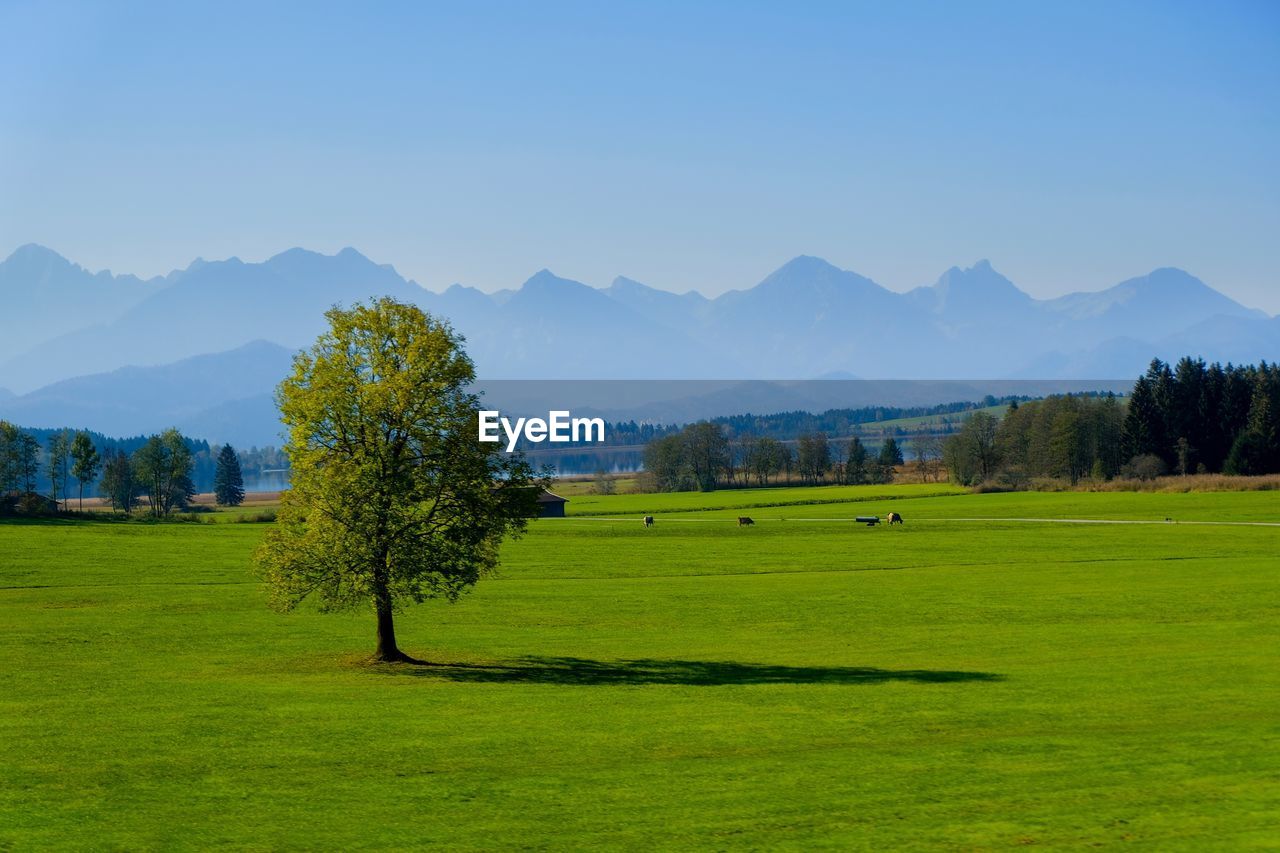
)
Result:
{"points": [[648, 521], [745, 521], [894, 518]]}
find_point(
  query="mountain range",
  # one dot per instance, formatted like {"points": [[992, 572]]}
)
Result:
{"points": [[203, 347]]}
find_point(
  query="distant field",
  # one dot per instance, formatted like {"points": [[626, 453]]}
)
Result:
{"points": [[916, 423], [805, 683], [641, 504]]}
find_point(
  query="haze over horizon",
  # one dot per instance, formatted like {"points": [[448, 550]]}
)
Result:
{"points": [[439, 288], [682, 147]]}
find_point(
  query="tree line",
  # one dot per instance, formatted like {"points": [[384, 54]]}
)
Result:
{"points": [[789, 426], [159, 469], [703, 457], [1190, 418]]}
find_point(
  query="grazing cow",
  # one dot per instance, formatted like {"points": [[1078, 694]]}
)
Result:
{"points": [[894, 518], [648, 521], [745, 520]]}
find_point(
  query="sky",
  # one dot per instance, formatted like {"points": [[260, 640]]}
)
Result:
{"points": [[685, 145]]}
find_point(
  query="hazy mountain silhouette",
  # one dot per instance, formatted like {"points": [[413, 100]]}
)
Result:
{"points": [[212, 307], [806, 319], [45, 295], [224, 396]]}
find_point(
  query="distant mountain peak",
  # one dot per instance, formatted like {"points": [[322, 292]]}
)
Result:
{"points": [[544, 279], [32, 257], [299, 255], [623, 283], [979, 278], [977, 288], [1165, 278], [36, 251], [807, 265], [294, 252]]}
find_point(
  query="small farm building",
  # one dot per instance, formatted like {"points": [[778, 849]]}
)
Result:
{"points": [[551, 505]]}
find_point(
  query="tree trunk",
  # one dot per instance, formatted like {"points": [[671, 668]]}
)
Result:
{"points": [[387, 649]]}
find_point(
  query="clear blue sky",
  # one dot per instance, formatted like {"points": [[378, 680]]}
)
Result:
{"points": [[686, 145]]}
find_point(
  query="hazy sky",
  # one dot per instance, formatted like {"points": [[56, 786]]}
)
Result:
{"points": [[686, 145]]}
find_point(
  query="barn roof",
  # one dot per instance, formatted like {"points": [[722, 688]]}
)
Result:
{"points": [[547, 497]]}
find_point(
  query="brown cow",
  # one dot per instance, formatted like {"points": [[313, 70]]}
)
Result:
{"points": [[745, 520], [894, 518]]}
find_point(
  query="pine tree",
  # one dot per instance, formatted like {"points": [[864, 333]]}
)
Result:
{"points": [[890, 453], [1257, 449], [1143, 423], [855, 466], [228, 484]]}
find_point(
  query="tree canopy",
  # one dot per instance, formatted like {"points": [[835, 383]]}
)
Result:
{"points": [[393, 499]]}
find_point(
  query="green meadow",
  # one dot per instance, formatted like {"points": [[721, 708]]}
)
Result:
{"points": [[995, 673]]}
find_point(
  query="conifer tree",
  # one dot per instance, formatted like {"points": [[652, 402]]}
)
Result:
{"points": [[228, 483]]}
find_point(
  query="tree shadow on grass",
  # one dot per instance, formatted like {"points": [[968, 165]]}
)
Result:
{"points": [[581, 671]]}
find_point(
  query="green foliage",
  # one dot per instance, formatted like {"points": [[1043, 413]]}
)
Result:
{"points": [[228, 482], [118, 483], [697, 457], [393, 498], [855, 464], [890, 454], [764, 458], [813, 457], [57, 462], [1250, 454], [1064, 436], [162, 471], [10, 450], [1193, 418], [1195, 415], [972, 455], [19, 459], [85, 461]]}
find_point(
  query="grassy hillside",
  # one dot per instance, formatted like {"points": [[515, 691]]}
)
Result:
{"points": [[918, 423], [802, 683]]}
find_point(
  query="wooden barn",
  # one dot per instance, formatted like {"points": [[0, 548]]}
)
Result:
{"points": [[31, 503], [551, 505]]}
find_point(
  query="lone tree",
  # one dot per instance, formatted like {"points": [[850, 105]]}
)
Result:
{"points": [[393, 497], [228, 482], [85, 461], [162, 467], [118, 484]]}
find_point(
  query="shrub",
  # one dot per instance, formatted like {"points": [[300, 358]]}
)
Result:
{"points": [[266, 516], [1148, 466]]}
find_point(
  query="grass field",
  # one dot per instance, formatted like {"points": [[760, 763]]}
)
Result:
{"points": [[804, 683]]}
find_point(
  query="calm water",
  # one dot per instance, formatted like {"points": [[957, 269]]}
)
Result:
{"points": [[575, 462], [581, 461]]}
